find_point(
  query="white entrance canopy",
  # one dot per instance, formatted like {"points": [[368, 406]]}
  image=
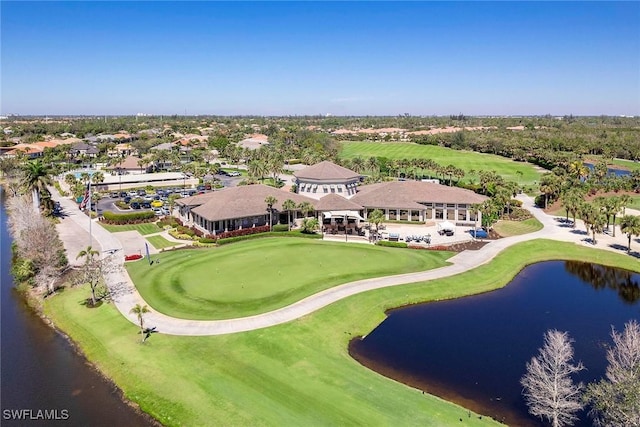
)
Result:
{"points": [[342, 214]]}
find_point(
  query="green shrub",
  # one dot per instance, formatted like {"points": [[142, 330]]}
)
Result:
{"points": [[128, 218], [63, 193], [268, 234], [391, 244], [280, 227], [206, 240], [122, 205]]}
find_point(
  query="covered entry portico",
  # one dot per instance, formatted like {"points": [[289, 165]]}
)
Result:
{"points": [[342, 222]]}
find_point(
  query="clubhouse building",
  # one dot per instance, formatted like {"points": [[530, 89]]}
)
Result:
{"points": [[338, 199]]}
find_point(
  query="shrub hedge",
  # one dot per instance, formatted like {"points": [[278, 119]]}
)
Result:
{"points": [[280, 227], [128, 218], [268, 234], [391, 244]]}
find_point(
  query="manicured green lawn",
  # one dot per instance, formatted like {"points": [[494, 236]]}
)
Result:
{"points": [[160, 242], [143, 229], [507, 228], [261, 275], [635, 202], [299, 373], [465, 160]]}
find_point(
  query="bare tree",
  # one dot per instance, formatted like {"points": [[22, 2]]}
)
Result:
{"points": [[93, 272], [549, 390], [33, 233], [615, 399]]}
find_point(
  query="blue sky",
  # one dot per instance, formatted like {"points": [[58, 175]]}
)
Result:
{"points": [[357, 58]]}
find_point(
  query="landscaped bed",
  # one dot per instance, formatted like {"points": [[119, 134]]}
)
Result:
{"points": [[261, 275], [506, 228], [298, 373]]}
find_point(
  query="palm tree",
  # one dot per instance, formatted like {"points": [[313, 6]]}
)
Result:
{"points": [[70, 179], [36, 179], [376, 217], [357, 164], [373, 165], [88, 255], [97, 177], [305, 208], [270, 201], [630, 224], [578, 170], [593, 218], [140, 311], [289, 205], [571, 200], [309, 225]]}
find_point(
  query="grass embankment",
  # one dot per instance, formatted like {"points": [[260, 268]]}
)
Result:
{"points": [[257, 276], [507, 228], [465, 160], [299, 373], [144, 229], [160, 242]]}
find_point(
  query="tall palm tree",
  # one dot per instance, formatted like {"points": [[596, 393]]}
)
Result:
{"points": [[357, 164], [376, 217], [97, 177], [270, 201], [289, 205], [593, 218], [306, 208], [630, 224], [140, 311], [88, 255], [373, 165], [70, 179], [36, 178], [571, 200]]}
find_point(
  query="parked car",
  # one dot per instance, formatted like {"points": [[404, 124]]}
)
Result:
{"points": [[142, 193], [135, 205], [192, 192], [114, 194], [234, 173], [146, 204], [223, 173], [127, 199], [479, 233], [156, 204], [157, 211], [200, 188], [123, 194], [132, 194]]}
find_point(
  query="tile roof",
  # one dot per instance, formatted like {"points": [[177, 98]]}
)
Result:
{"points": [[239, 202], [335, 202], [326, 171], [409, 195]]}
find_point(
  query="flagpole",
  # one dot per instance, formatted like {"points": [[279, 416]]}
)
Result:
{"points": [[90, 235]]}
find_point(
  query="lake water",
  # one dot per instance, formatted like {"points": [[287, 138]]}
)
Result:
{"points": [[41, 371], [473, 350]]}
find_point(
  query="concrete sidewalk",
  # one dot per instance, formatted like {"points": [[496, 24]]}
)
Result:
{"points": [[125, 295]]}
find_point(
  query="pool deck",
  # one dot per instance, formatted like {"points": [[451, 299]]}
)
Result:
{"points": [[75, 226]]}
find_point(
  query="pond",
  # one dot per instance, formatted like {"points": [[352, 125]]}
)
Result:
{"points": [[473, 350], [41, 370]]}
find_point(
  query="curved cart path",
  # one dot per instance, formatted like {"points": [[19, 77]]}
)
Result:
{"points": [[125, 295]]}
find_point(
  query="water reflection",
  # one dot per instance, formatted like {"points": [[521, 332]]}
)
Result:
{"points": [[40, 370], [624, 282], [473, 350]]}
